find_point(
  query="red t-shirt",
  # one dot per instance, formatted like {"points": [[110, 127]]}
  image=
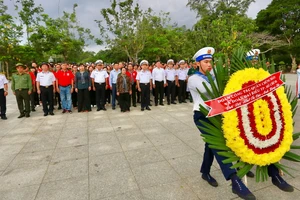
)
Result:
{"points": [[134, 74], [64, 78], [32, 76]]}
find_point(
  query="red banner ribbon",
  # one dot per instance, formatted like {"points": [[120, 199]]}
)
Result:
{"points": [[244, 96]]}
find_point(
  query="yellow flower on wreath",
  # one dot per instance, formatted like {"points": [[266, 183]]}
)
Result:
{"points": [[263, 120]]}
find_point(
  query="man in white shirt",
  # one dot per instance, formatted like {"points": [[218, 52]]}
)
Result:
{"points": [[99, 82], [144, 84], [3, 94], [170, 74], [181, 81], [159, 82], [45, 82]]}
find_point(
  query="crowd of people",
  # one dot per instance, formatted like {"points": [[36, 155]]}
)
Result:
{"points": [[126, 84], [81, 87]]}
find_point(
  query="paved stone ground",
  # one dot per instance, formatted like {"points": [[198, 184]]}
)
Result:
{"points": [[112, 155]]}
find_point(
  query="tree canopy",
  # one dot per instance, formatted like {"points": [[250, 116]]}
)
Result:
{"points": [[128, 32]]}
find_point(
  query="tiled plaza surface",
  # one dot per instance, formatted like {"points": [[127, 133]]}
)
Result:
{"points": [[112, 155]]}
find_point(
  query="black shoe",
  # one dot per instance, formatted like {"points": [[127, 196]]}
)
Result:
{"points": [[281, 184], [59, 108], [21, 116], [180, 102], [64, 111], [4, 117], [27, 115], [114, 108], [33, 110], [184, 102], [142, 109], [240, 189], [169, 103], [98, 109], [70, 111], [210, 180], [134, 105], [104, 109], [161, 104], [45, 114], [147, 108], [156, 104], [51, 113], [150, 104], [173, 102], [250, 174]]}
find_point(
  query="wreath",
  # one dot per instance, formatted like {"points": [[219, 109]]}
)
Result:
{"points": [[253, 120]]}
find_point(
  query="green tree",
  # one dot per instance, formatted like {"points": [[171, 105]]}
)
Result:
{"points": [[126, 26], [62, 36], [223, 24], [29, 15], [283, 19], [10, 34], [216, 8]]}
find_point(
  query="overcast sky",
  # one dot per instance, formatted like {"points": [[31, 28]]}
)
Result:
{"points": [[89, 10]]}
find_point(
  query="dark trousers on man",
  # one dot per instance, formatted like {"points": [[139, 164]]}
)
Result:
{"points": [[74, 100], [133, 95], [23, 97], [47, 98], [57, 100], [145, 94], [171, 88], [93, 96], [181, 91], [124, 101], [113, 95], [32, 100], [2, 103], [108, 95], [159, 90], [100, 95], [83, 98], [209, 154]]}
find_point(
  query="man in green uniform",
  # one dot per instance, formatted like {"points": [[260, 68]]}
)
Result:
{"points": [[192, 71], [21, 86]]}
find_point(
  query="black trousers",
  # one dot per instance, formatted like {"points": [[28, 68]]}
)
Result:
{"points": [[74, 99], [47, 98], [2, 102], [83, 100], [181, 91], [32, 100], [159, 90], [124, 101], [23, 97], [93, 96], [145, 94], [100, 95], [133, 94], [108, 95], [57, 99], [171, 89]]}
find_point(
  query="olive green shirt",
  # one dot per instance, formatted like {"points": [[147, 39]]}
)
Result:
{"points": [[21, 81], [192, 71]]}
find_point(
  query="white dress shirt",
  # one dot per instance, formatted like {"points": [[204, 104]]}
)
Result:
{"points": [[170, 74], [158, 74], [99, 76], [182, 74], [45, 78], [3, 81], [144, 76], [196, 82]]}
